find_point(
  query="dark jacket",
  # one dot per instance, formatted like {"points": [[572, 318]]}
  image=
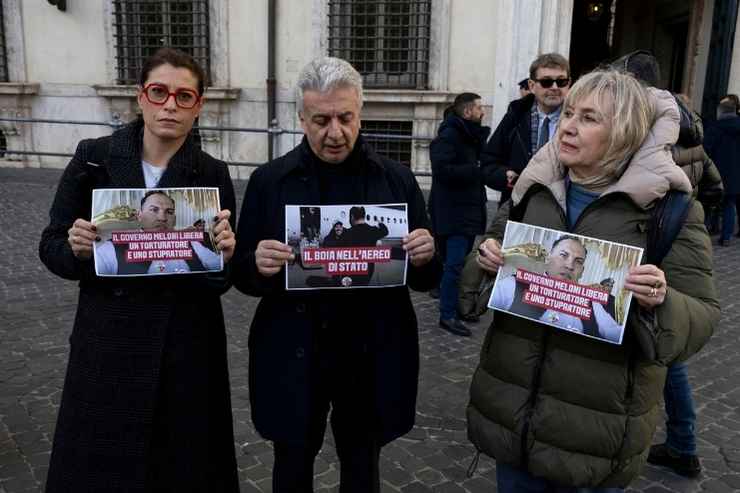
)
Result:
{"points": [[510, 147], [458, 196], [147, 371], [689, 154], [574, 410], [722, 143], [286, 324]]}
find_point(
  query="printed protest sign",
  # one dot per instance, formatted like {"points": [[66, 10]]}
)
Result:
{"points": [[571, 282], [145, 232], [346, 246]]}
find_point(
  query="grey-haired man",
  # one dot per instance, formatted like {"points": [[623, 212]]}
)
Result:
{"points": [[352, 352]]}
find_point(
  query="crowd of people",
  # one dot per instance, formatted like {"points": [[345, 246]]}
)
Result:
{"points": [[146, 401]]}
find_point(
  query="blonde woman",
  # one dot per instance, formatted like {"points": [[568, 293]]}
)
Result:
{"points": [[558, 411]]}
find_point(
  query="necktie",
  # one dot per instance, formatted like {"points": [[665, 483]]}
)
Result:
{"points": [[544, 133]]}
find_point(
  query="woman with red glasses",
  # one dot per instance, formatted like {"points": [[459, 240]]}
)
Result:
{"points": [[146, 402]]}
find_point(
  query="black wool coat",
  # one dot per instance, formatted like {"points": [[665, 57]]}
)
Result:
{"points": [[457, 201], [286, 324], [146, 402], [510, 146], [722, 143]]}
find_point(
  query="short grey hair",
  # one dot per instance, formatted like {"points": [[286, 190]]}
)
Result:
{"points": [[325, 74]]}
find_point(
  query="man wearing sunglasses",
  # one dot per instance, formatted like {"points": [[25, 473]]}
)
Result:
{"points": [[528, 124]]}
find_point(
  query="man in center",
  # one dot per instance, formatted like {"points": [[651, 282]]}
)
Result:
{"points": [[352, 352]]}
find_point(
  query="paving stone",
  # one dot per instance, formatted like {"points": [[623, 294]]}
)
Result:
{"points": [[37, 311]]}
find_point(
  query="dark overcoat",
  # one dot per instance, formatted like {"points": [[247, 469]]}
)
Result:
{"points": [[146, 402], [286, 323], [457, 201], [510, 146], [722, 143]]}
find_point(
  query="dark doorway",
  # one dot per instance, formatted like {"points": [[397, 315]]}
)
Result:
{"points": [[604, 31], [590, 35], [720, 56]]}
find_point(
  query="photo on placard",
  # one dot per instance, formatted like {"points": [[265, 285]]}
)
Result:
{"points": [[156, 231], [346, 246], [567, 281]]}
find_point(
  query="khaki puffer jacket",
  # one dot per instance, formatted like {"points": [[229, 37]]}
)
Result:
{"points": [[575, 410]]}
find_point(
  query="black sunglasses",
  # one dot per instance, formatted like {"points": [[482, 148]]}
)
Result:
{"points": [[547, 83]]}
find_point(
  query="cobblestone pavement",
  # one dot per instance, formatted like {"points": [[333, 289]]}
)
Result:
{"points": [[36, 311]]}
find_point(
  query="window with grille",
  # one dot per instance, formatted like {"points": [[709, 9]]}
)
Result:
{"points": [[380, 134], [3, 51], [387, 41], [144, 26]]}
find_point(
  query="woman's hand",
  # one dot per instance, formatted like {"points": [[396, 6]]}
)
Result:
{"points": [[80, 237], [224, 236], [648, 285], [489, 255]]}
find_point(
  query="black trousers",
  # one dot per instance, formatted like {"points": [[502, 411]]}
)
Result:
{"points": [[341, 385]]}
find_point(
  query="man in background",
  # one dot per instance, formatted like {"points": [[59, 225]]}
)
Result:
{"points": [[528, 124], [458, 198]]}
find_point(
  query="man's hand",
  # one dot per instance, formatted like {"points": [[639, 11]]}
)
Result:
{"points": [[224, 236], [419, 244], [271, 255], [511, 177], [80, 237], [489, 255]]}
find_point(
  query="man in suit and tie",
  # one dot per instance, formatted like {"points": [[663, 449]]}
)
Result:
{"points": [[528, 124]]}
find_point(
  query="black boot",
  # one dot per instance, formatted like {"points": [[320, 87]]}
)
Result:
{"points": [[455, 326], [685, 465]]}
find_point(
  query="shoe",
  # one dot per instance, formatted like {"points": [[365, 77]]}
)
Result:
{"points": [[434, 293], [471, 317], [723, 242], [685, 465], [455, 326]]}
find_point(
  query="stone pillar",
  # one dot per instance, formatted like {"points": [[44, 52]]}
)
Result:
{"points": [[525, 29]]}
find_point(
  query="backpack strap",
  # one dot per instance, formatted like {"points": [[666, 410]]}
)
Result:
{"points": [[666, 221]]}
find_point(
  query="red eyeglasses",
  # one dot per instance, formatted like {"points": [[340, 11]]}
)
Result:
{"points": [[157, 93]]}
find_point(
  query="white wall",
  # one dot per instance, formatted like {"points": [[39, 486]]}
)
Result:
{"points": [[734, 85], [472, 47], [65, 47]]}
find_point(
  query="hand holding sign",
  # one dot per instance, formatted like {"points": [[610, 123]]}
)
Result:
{"points": [[420, 246], [271, 255], [489, 255], [225, 240], [648, 285], [80, 237]]}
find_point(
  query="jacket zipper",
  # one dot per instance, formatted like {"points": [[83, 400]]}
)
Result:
{"points": [[537, 380]]}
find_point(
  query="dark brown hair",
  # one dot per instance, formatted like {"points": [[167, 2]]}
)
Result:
{"points": [[549, 60], [464, 101], [176, 58]]}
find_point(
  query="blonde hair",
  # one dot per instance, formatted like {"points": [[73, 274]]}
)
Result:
{"points": [[626, 105]]}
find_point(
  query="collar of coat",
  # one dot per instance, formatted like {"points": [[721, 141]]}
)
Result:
{"points": [[649, 175], [362, 154], [471, 130], [124, 160], [521, 106]]}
